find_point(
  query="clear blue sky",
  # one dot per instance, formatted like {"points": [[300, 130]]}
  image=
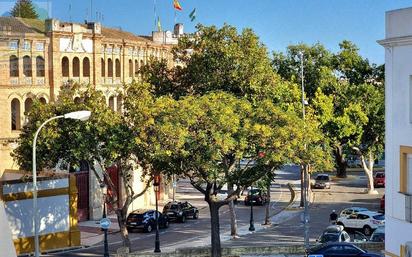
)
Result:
{"points": [[278, 23]]}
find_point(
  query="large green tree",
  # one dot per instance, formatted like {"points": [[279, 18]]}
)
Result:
{"points": [[330, 80], [24, 9], [104, 140], [234, 108]]}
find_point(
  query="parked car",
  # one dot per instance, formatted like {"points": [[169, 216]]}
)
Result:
{"points": [[379, 179], [256, 196], [146, 220], [180, 211], [382, 204], [339, 250], [367, 221], [322, 181], [378, 235], [334, 233], [352, 210]]}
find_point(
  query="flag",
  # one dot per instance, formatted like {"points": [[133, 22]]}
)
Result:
{"points": [[177, 5], [159, 25], [192, 15]]}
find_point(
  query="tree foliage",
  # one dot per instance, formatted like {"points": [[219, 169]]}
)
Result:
{"points": [[339, 86], [24, 9]]}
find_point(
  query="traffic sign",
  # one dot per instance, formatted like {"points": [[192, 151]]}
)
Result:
{"points": [[105, 223]]}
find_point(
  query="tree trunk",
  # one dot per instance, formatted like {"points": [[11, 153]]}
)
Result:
{"points": [[340, 162], [232, 212], [215, 227], [267, 209], [121, 220], [368, 169]]}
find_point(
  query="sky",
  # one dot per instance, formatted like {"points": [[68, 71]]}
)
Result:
{"points": [[278, 23]]}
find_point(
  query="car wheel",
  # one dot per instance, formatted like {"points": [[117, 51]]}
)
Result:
{"points": [[367, 230], [166, 225], [148, 228], [196, 215], [183, 219]]}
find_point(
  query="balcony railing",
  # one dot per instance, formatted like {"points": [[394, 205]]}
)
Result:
{"points": [[40, 81], [26, 81], [14, 81]]}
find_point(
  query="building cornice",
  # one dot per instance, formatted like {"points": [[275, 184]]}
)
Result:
{"points": [[396, 41]]}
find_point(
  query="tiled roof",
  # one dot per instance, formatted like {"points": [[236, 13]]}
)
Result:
{"points": [[15, 25], [119, 34]]}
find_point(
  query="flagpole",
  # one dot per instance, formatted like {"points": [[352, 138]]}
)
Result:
{"points": [[155, 14]]}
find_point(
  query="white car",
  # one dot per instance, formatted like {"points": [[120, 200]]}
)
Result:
{"points": [[352, 210], [367, 221]]}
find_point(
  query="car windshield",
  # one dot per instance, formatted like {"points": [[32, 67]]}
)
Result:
{"points": [[379, 217], [380, 175], [322, 178], [329, 238], [254, 192]]}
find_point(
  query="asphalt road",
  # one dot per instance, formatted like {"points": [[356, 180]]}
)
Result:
{"points": [[193, 230]]}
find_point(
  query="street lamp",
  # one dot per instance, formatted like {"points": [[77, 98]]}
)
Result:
{"points": [[251, 225], [80, 115], [156, 185], [304, 177], [106, 245]]}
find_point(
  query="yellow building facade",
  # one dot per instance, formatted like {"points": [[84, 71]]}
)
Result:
{"points": [[37, 57]]}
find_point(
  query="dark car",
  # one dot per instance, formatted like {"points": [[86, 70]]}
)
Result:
{"points": [[339, 249], [379, 179], [378, 235], [256, 196], [322, 181], [180, 211], [146, 220]]}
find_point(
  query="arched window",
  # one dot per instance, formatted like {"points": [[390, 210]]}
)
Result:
{"points": [[109, 68], [117, 68], [27, 66], [39, 66], [141, 63], [14, 66], [43, 100], [103, 68], [15, 114], [27, 105], [119, 104], [130, 68], [136, 68], [76, 67], [86, 67], [65, 67], [111, 102]]}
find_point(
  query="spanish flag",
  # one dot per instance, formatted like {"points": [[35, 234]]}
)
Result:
{"points": [[177, 5]]}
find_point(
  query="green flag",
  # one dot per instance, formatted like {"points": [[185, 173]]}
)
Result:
{"points": [[192, 15], [159, 25]]}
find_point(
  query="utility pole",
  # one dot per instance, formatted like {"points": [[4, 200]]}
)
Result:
{"points": [[304, 180]]}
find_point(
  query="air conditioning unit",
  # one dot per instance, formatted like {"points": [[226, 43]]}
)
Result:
{"points": [[408, 249]]}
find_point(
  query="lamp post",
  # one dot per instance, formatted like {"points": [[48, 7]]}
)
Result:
{"points": [[106, 245], [156, 185], [251, 225], [80, 115], [304, 179]]}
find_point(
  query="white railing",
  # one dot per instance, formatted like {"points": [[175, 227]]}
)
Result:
{"points": [[40, 81], [26, 81], [117, 81], [109, 80], [14, 81]]}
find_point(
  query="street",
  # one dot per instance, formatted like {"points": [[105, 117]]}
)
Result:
{"points": [[288, 228]]}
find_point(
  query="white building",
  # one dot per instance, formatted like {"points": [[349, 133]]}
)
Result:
{"points": [[398, 152]]}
